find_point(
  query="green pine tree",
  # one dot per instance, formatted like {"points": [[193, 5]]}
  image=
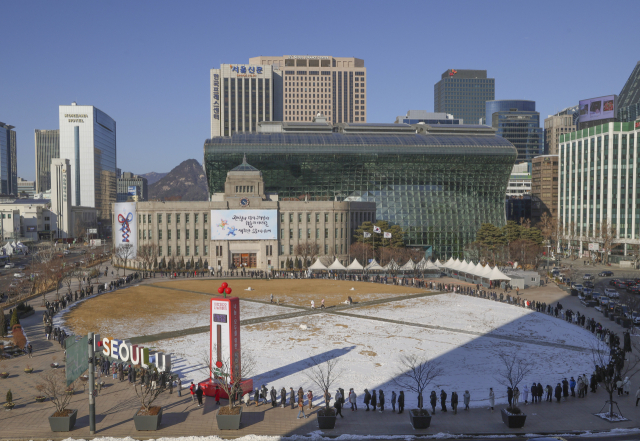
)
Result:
{"points": [[296, 263], [490, 236], [511, 231], [14, 318], [397, 235], [206, 263], [193, 264], [9, 397], [3, 324], [533, 234]]}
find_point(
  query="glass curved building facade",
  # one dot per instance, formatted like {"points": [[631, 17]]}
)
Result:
{"points": [[438, 188]]}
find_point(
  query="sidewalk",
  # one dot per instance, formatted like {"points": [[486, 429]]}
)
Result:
{"points": [[117, 404]]}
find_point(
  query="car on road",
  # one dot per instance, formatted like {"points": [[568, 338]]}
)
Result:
{"points": [[613, 281], [606, 274], [577, 286], [587, 277], [588, 284], [635, 316], [21, 267], [633, 289], [65, 252], [604, 300], [18, 275], [9, 265], [612, 293], [620, 284]]}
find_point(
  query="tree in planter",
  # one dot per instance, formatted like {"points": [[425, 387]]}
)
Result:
{"points": [[610, 366], [14, 318], [230, 384], [124, 253], [324, 374], [514, 369], [416, 373], [54, 385], [9, 398], [3, 324], [147, 395]]}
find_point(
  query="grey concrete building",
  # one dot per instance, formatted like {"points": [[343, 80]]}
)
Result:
{"points": [[463, 93], [8, 160], [132, 186], [47, 148], [554, 126]]}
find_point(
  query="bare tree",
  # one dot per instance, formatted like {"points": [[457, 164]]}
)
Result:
{"points": [[228, 375], [54, 385], [606, 233], [514, 368], [148, 394], [124, 253], [416, 373], [324, 374], [67, 278], [307, 251], [611, 366], [149, 254]]}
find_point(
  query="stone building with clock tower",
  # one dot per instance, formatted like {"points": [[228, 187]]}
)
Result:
{"points": [[183, 230]]}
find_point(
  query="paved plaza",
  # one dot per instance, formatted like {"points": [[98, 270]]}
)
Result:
{"points": [[117, 403]]}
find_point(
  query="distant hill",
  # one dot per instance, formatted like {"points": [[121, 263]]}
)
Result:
{"points": [[153, 177], [186, 182]]}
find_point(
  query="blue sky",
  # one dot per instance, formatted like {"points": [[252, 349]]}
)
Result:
{"points": [[146, 64]]}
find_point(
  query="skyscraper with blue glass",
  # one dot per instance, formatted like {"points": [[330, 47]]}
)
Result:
{"points": [[8, 160], [463, 93], [518, 122]]}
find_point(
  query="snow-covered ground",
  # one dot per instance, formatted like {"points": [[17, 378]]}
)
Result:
{"points": [[147, 324], [369, 349], [481, 315]]}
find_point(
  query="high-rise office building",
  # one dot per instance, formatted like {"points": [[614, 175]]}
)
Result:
{"points": [[310, 84], [60, 175], [241, 96], [422, 116], [130, 185], [26, 187], [629, 98], [47, 148], [88, 141], [517, 121], [8, 160], [463, 94], [554, 126], [544, 186]]}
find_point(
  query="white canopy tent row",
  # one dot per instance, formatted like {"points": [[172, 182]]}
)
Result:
{"points": [[11, 248], [477, 273], [355, 265]]}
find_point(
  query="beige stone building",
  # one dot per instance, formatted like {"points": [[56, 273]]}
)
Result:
{"points": [[335, 86], [544, 186], [184, 229], [554, 126]]}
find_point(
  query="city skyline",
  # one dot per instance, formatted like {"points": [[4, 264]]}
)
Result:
{"points": [[128, 74]]}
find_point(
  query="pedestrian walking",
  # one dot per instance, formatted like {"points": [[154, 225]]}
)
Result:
{"points": [[381, 401], [443, 400], [352, 400], [310, 399], [30, 350], [374, 399], [199, 393], [492, 398], [525, 394], [393, 401], [338, 404], [433, 400], [367, 399], [510, 396], [401, 402], [179, 384], [637, 396], [193, 392], [301, 408], [292, 397], [467, 399], [454, 402]]}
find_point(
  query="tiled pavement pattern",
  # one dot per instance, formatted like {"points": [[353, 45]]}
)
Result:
{"points": [[117, 404]]}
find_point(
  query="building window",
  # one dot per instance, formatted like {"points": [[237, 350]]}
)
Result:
{"points": [[308, 233], [205, 217], [299, 233], [169, 250], [197, 251], [291, 249], [187, 236], [178, 234], [159, 218], [317, 217], [177, 218], [187, 250], [326, 249], [290, 233], [169, 219], [281, 249], [281, 218], [206, 250], [317, 233], [160, 251], [336, 217], [341, 233], [282, 265], [196, 231], [149, 233], [139, 234], [195, 218], [178, 250], [149, 218], [308, 217], [326, 217], [290, 217], [326, 233], [206, 233], [186, 218], [336, 233], [169, 234], [299, 217], [159, 234]]}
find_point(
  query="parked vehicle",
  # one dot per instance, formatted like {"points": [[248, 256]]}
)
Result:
{"points": [[9, 265], [587, 277], [604, 301], [635, 289], [613, 282], [621, 284], [577, 286], [589, 285], [612, 293], [606, 274], [635, 316]]}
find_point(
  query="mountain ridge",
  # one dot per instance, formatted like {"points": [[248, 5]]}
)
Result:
{"points": [[186, 182]]}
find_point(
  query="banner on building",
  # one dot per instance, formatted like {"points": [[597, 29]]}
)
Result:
{"points": [[594, 247], [244, 224], [126, 226]]}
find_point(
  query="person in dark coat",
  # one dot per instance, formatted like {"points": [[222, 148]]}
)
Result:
{"points": [[338, 405], [558, 392], [433, 400], [283, 397], [401, 402], [540, 391], [627, 341], [509, 395], [292, 397], [199, 393], [373, 399], [443, 400], [454, 402], [381, 401], [274, 397], [367, 399], [565, 388]]}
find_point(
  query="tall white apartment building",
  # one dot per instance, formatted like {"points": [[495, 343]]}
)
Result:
{"points": [[88, 141]]}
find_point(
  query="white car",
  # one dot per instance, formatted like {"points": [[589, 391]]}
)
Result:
{"points": [[9, 265], [612, 293], [18, 275]]}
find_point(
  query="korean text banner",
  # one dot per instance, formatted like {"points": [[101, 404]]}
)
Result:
{"points": [[244, 224], [126, 230]]}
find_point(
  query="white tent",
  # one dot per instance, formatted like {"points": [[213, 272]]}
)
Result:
{"points": [[456, 265], [496, 274], [354, 266], [409, 266], [486, 270], [432, 266], [449, 263], [465, 267], [478, 270], [317, 265], [392, 266], [336, 265], [374, 266], [438, 263], [422, 265]]}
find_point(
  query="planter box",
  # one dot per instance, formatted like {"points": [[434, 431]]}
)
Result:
{"points": [[229, 422], [513, 421], [4, 374], [419, 421], [327, 422], [147, 422], [63, 424]]}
